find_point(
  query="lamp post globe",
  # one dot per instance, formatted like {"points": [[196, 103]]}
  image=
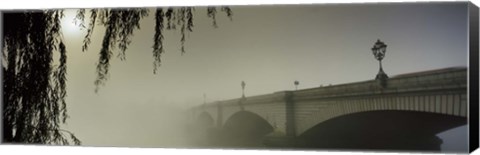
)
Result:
{"points": [[296, 84], [378, 50], [243, 88]]}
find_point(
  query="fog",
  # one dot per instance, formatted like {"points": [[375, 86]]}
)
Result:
{"points": [[135, 125], [268, 47]]}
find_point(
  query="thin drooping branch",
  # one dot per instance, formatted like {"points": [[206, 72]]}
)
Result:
{"points": [[181, 21], [106, 52], [228, 11], [129, 20], [158, 39], [170, 15], [189, 17], [119, 30], [211, 12], [91, 26], [80, 17]]}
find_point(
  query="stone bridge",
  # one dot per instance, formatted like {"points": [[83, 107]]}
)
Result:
{"points": [[437, 93]]}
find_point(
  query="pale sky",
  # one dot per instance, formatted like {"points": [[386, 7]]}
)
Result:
{"points": [[268, 47]]}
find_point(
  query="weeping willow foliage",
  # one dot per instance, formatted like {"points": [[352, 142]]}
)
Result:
{"points": [[34, 88], [34, 80], [120, 24]]}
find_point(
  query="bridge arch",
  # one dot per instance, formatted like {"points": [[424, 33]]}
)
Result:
{"points": [[381, 129], [245, 128], [315, 112], [249, 121], [204, 119]]}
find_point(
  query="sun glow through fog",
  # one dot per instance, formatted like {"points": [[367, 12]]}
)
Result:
{"points": [[70, 26]]}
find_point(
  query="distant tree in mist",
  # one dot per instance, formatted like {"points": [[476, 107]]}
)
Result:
{"points": [[34, 59]]}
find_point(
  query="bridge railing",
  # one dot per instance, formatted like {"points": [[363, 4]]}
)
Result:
{"points": [[258, 99], [436, 80], [440, 80]]}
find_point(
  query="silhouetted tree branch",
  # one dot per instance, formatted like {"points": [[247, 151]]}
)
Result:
{"points": [[34, 86], [34, 80], [120, 24]]}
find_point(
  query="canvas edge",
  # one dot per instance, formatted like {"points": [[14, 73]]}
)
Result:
{"points": [[473, 124]]}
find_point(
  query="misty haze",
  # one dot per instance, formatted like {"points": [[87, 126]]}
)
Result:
{"points": [[342, 77]]}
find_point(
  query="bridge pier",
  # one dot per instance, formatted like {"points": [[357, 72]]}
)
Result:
{"points": [[219, 116], [289, 115], [284, 138]]}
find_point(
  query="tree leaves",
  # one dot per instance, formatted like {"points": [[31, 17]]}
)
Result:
{"points": [[91, 26], [34, 84], [120, 24], [211, 12], [158, 39], [34, 88]]}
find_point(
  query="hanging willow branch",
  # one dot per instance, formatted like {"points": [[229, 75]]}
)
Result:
{"points": [[158, 44], [34, 87], [34, 80], [120, 24]]}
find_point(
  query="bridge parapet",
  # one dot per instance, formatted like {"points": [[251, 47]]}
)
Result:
{"points": [[440, 80], [259, 99]]}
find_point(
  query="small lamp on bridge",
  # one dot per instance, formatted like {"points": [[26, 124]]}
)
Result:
{"points": [[378, 51], [243, 89], [296, 84]]}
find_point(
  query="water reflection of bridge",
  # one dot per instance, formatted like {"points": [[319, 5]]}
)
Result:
{"points": [[405, 114]]}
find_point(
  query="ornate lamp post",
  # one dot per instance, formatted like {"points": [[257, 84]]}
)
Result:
{"points": [[296, 84], [240, 102], [243, 89], [378, 51]]}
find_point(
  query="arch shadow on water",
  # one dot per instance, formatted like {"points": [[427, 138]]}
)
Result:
{"points": [[381, 130]]}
